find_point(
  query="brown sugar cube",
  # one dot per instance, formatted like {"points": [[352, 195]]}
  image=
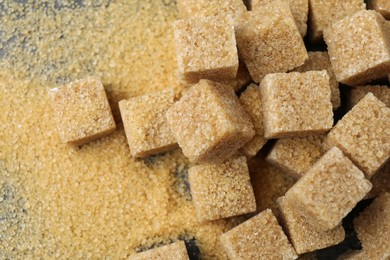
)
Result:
{"points": [[381, 6], [251, 101], [145, 124], [357, 93], [260, 237], [380, 181], [296, 156], [221, 190], [242, 79], [329, 190], [303, 236], [299, 10], [320, 61], [206, 49], [197, 8], [296, 104], [268, 182], [363, 134], [177, 251], [268, 40], [209, 122], [373, 228], [322, 13], [82, 111], [358, 48]]}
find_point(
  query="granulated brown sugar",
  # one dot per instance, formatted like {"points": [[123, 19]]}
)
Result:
{"points": [[94, 201]]}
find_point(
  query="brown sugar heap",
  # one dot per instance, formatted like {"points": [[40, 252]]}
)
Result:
{"points": [[95, 201]]}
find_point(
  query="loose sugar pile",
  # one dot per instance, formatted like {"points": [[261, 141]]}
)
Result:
{"points": [[145, 129], [93, 201]]}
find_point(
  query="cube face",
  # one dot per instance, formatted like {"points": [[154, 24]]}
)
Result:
{"points": [[381, 6], [325, 12], [296, 104], [266, 48], [175, 251], [209, 122], [260, 237], [206, 49], [358, 93], [82, 111], [296, 156], [299, 10], [269, 183], [251, 101], [373, 227], [355, 63], [303, 236], [320, 61], [221, 190], [199, 8], [145, 124], [329, 190], [363, 134]]}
